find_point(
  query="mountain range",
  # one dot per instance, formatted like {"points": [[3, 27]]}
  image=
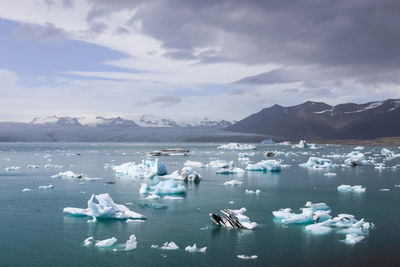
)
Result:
{"points": [[318, 120]]}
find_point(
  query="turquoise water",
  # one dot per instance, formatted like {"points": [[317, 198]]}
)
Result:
{"points": [[35, 232]]}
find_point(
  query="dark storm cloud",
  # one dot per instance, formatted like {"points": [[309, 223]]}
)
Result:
{"points": [[350, 38]]}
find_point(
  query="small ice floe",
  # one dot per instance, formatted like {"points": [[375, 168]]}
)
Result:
{"points": [[312, 212], [231, 202], [318, 163], [131, 243], [233, 182], [384, 189], [244, 159], [246, 154], [72, 175], [245, 257], [388, 154], [330, 174], [237, 146], [88, 241], [187, 174], [153, 196], [231, 170], [167, 246], [304, 144], [146, 169], [265, 165], [170, 152], [106, 209], [194, 164], [234, 219], [26, 190], [252, 192], [356, 158], [173, 198], [168, 187], [12, 168], [359, 148], [32, 166], [344, 188], [353, 239], [46, 186], [111, 243], [195, 249], [55, 166], [106, 242], [220, 164]]}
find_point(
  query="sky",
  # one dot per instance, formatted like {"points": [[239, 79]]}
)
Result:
{"points": [[184, 59]]}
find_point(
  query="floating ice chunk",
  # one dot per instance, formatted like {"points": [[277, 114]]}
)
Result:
{"points": [[359, 148], [53, 166], [88, 241], [168, 187], [131, 243], [193, 164], [230, 171], [12, 168], [244, 159], [245, 154], [237, 146], [46, 186], [220, 164], [318, 229], [379, 166], [389, 154], [26, 190], [245, 257], [146, 169], [233, 182], [356, 158], [173, 198], [265, 165], [106, 242], [384, 189], [153, 196], [318, 163], [302, 144], [310, 213], [348, 188], [67, 174], [353, 239], [195, 249], [187, 174], [32, 166], [330, 174], [251, 192], [167, 246], [106, 209]]}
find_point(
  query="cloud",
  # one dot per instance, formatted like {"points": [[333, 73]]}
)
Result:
{"points": [[46, 33], [167, 100]]}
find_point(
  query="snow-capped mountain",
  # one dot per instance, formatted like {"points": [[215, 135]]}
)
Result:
{"points": [[317, 120], [149, 120], [83, 121]]}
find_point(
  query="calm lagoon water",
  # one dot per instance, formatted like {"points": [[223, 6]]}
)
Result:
{"points": [[35, 232]]}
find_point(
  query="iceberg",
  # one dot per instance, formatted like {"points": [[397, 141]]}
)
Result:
{"points": [[131, 243], [344, 188], [172, 198], [244, 257], [67, 174], [53, 166], [26, 190], [32, 166], [168, 187], [195, 249], [46, 186], [220, 164], [234, 170], [167, 246], [356, 158], [234, 219], [233, 182], [343, 223], [12, 168], [187, 174], [389, 154], [302, 144], [265, 165], [146, 169], [251, 192], [106, 242], [237, 146], [193, 164], [318, 163], [310, 213], [330, 174], [105, 209], [88, 241], [353, 239]]}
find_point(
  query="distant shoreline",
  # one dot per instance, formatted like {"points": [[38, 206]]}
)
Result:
{"points": [[382, 141]]}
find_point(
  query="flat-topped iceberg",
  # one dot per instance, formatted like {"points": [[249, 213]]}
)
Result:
{"points": [[265, 165], [105, 209], [168, 187], [344, 188], [193, 164], [310, 213], [146, 169], [245, 257], [237, 146], [67, 174], [318, 163]]}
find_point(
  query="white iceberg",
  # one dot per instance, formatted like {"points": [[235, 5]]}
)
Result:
{"points": [[88, 241], [46, 186], [233, 182], [344, 188], [356, 158], [353, 239], [310, 213], [233, 170], [187, 174], [245, 257], [318, 163], [26, 190], [265, 165], [302, 144], [67, 174], [389, 154], [168, 187], [173, 198], [193, 164], [167, 246], [131, 243], [146, 169], [106, 209], [237, 146], [195, 249], [106, 242], [220, 164], [53, 166], [12, 168], [32, 166], [252, 192]]}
